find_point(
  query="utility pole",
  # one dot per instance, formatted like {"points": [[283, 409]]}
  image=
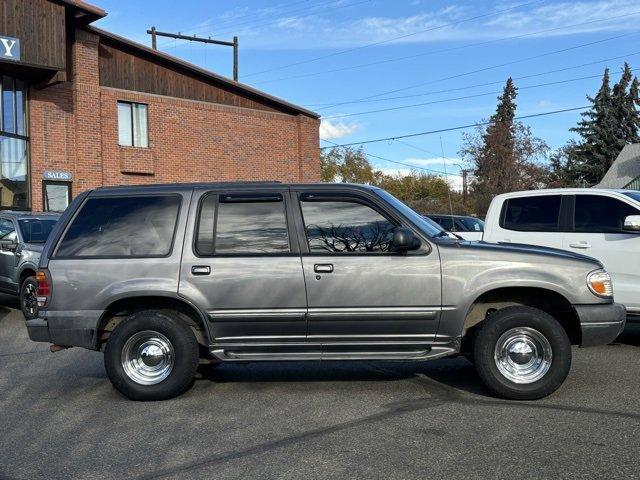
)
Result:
{"points": [[465, 174], [192, 38]]}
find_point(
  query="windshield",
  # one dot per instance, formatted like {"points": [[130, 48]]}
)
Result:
{"points": [[428, 226], [633, 194], [35, 230], [472, 224]]}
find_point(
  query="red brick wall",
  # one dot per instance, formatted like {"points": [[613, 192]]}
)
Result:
{"points": [[73, 127]]}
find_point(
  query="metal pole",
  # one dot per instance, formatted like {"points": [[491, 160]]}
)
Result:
{"points": [[154, 43], [464, 186], [235, 58]]}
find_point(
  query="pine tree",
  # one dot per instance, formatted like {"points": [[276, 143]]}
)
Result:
{"points": [[625, 109], [599, 131], [632, 105], [612, 122], [503, 153]]}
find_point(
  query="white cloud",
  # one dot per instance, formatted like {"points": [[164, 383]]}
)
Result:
{"points": [[330, 130], [304, 31], [435, 161]]}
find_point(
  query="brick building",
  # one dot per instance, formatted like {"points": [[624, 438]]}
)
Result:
{"points": [[82, 107]]}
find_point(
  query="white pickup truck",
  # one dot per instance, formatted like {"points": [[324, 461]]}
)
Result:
{"points": [[600, 223]]}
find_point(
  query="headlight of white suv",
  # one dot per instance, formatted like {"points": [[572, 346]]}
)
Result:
{"points": [[599, 282]]}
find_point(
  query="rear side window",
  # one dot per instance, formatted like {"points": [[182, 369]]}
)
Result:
{"points": [[532, 214], [36, 230], [600, 214], [122, 227], [250, 225]]}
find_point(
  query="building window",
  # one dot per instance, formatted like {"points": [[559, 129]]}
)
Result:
{"points": [[56, 196], [132, 125], [14, 144]]}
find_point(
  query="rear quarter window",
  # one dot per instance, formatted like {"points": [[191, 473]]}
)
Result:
{"points": [[130, 227]]}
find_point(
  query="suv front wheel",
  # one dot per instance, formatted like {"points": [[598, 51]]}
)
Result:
{"points": [[151, 355], [522, 353]]}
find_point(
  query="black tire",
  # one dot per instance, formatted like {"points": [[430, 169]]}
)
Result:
{"points": [[535, 322], [185, 355], [29, 298]]}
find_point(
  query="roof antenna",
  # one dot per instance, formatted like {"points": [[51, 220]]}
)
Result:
{"points": [[446, 177]]}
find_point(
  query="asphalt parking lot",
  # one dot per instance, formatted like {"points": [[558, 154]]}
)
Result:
{"points": [[60, 418]]}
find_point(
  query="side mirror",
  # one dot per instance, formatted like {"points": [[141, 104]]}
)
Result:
{"points": [[405, 240], [8, 245], [632, 223]]}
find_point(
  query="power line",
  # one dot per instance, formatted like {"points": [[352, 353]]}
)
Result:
{"points": [[492, 67], [445, 50], [381, 42], [371, 155], [460, 127], [467, 87], [465, 97]]}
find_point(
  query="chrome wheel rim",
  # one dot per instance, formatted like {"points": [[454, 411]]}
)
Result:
{"points": [[148, 357], [523, 355], [30, 299]]}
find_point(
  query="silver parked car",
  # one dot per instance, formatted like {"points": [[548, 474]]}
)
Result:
{"points": [[22, 237], [159, 277]]}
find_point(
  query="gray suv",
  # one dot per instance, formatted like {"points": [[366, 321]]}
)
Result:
{"points": [[162, 278], [22, 237]]}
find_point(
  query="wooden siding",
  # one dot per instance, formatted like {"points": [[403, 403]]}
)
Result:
{"points": [[40, 26], [129, 71]]}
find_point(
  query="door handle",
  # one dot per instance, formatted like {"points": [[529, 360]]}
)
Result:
{"points": [[201, 270], [323, 268], [580, 245]]}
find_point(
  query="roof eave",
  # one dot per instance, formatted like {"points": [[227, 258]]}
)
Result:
{"points": [[201, 71]]}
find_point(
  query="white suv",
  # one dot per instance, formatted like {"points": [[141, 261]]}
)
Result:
{"points": [[600, 223]]}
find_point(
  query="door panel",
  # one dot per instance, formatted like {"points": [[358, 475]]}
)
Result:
{"points": [[8, 258], [598, 233], [374, 296], [357, 287], [244, 268]]}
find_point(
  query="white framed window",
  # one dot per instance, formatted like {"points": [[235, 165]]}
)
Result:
{"points": [[132, 125]]}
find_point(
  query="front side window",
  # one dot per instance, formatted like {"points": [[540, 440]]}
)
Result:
{"points": [[56, 196], [14, 144], [133, 226], [345, 226], [242, 225], [35, 230], [7, 230], [132, 125], [532, 214], [600, 214]]}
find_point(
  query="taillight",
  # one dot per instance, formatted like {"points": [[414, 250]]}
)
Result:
{"points": [[44, 287]]}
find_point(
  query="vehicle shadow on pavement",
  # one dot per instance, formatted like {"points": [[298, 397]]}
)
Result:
{"points": [[457, 373], [630, 335], [5, 311]]}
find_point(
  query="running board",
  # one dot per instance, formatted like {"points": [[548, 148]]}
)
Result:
{"points": [[251, 353]]}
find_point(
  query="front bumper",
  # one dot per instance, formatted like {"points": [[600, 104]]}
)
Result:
{"points": [[600, 324]]}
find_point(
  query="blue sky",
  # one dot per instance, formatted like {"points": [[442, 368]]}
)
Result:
{"points": [[346, 57]]}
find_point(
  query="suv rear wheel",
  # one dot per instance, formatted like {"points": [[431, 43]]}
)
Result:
{"points": [[522, 353], [151, 355], [29, 298]]}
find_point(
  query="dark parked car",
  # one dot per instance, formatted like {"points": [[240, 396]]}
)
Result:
{"points": [[469, 228], [22, 236], [159, 277]]}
